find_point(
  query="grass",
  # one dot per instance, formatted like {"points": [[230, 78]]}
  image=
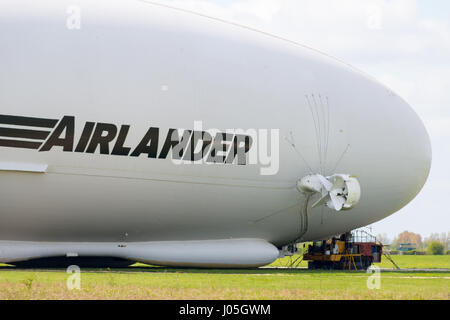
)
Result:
{"points": [[417, 262], [403, 261], [142, 282]]}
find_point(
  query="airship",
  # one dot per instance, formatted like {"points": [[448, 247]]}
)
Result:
{"points": [[132, 131]]}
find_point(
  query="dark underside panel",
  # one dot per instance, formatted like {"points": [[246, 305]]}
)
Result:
{"points": [[82, 262]]}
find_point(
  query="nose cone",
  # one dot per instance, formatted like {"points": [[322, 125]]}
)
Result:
{"points": [[416, 152], [396, 152]]}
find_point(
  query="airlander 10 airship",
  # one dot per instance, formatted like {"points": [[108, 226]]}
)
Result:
{"points": [[101, 155]]}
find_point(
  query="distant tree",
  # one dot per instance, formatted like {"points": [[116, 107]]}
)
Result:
{"points": [[409, 237], [383, 238], [443, 238], [432, 237], [435, 248]]}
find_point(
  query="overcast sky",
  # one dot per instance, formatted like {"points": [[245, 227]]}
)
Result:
{"points": [[405, 44]]}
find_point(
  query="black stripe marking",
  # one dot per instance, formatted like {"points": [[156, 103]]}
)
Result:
{"points": [[21, 133], [20, 144], [27, 121]]}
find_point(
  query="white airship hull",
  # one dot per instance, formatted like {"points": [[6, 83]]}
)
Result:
{"points": [[143, 66], [242, 253]]}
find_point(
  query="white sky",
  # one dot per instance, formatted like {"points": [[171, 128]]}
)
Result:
{"points": [[405, 44]]}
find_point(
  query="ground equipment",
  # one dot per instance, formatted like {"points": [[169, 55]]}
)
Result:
{"points": [[355, 250]]}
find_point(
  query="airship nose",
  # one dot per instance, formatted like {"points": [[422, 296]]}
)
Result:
{"points": [[398, 151], [419, 154], [413, 157]]}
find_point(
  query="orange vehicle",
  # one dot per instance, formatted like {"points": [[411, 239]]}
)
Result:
{"points": [[353, 251]]}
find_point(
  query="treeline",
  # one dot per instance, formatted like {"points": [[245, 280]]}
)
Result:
{"points": [[435, 244]]}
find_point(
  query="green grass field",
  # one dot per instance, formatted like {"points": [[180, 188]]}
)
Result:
{"points": [[404, 262], [417, 262], [218, 284], [142, 282]]}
